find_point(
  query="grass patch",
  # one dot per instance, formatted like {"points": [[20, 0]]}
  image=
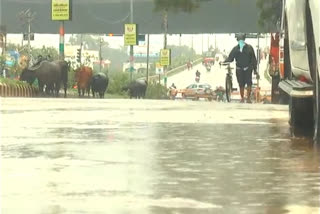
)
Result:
{"points": [[13, 82], [156, 91]]}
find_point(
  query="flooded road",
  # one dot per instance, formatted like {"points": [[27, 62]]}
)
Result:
{"points": [[143, 156]]}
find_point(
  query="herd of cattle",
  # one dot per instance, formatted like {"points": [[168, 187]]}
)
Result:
{"points": [[51, 74]]}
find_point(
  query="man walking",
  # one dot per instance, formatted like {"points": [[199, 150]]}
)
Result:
{"points": [[246, 62]]}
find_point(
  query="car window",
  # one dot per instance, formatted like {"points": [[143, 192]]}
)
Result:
{"points": [[194, 86], [205, 86]]}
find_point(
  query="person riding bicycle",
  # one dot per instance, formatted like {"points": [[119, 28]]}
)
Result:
{"points": [[173, 91], [197, 76], [246, 61]]}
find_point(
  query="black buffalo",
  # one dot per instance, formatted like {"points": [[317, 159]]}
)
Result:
{"points": [[64, 68], [137, 89], [99, 84], [49, 74]]}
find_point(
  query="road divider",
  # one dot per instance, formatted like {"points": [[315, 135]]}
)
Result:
{"points": [[7, 90]]}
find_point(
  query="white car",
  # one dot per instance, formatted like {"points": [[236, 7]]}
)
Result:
{"points": [[198, 90]]}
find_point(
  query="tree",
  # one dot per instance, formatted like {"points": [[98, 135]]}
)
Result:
{"points": [[89, 42], [176, 6], [270, 13]]}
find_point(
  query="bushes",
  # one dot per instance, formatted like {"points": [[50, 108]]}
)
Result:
{"points": [[156, 91], [117, 80], [12, 82]]}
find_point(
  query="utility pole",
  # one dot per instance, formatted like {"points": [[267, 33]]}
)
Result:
{"points": [[208, 42], [3, 44], [148, 44], [165, 23], [192, 46], [3, 39], [131, 46], [201, 43], [27, 17], [100, 57]]}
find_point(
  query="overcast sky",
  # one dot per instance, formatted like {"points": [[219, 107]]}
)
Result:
{"points": [[200, 41]]}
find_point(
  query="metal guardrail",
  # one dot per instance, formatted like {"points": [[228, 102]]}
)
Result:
{"points": [[174, 70]]}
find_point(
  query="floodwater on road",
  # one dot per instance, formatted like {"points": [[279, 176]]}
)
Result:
{"points": [[148, 156]]}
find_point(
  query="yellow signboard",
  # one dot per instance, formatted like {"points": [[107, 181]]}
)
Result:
{"points": [[60, 10], [165, 57], [130, 34]]}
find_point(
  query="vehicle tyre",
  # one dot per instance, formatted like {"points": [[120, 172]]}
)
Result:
{"points": [[300, 116], [316, 109], [312, 56], [228, 89], [300, 109], [275, 91]]}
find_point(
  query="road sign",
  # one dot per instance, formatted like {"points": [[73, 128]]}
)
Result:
{"points": [[61, 10], [165, 55], [142, 38], [159, 68], [130, 34]]}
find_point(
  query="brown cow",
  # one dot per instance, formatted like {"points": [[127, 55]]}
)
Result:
{"points": [[83, 77]]}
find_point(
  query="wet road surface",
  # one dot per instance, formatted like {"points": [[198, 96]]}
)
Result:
{"points": [[144, 156]]}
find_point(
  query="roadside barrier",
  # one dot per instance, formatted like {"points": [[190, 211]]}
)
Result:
{"points": [[173, 71], [17, 90]]}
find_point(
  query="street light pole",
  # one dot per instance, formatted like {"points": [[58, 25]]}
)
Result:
{"points": [[29, 32], [148, 44], [208, 42], [100, 55], [131, 46], [27, 17], [165, 20]]}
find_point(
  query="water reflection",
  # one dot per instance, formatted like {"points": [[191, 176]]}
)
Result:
{"points": [[127, 167], [237, 166]]}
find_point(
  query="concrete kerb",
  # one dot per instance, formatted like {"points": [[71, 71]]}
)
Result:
{"points": [[20, 92], [34, 91], [24, 91], [1, 89], [15, 90], [9, 91]]}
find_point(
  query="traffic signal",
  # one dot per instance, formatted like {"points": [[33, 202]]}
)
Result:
{"points": [[25, 36], [79, 55]]}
